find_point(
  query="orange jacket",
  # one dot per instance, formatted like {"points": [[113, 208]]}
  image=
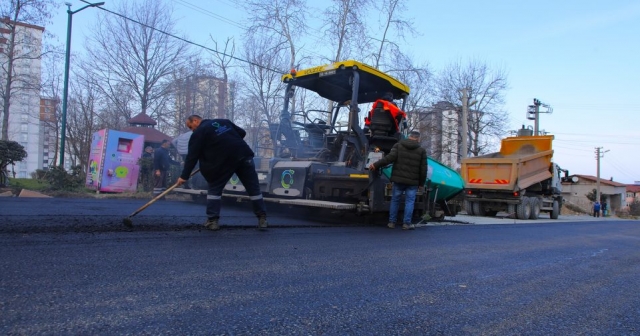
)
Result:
{"points": [[388, 106]]}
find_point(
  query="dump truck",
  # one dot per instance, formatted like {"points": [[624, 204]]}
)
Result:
{"points": [[520, 179], [320, 158]]}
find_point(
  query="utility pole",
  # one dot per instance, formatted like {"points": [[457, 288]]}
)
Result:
{"points": [[599, 155], [65, 89], [533, 113], [536, 124], [465, 124]]}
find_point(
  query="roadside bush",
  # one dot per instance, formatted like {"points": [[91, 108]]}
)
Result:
{"points": [[39, 174], [11, 152], [60, 179]]}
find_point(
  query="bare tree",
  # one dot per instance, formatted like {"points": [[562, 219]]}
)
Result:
{"points": [[420, 80], [393, 25], [262, 88], [18, 20], [344, 24], [82, 118], [279, 20], [222, 61], [127, 55], [486, 85], [52, 88]]}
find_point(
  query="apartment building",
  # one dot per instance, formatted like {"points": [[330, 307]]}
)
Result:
{"points": [[49, 132], [204, 95], [24, 109], [440, 129]]}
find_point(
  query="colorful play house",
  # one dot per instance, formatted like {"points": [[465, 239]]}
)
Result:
{"points": [[113, 161]]}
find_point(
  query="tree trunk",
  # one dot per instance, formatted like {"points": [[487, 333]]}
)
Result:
{"points": [[6, 98]]}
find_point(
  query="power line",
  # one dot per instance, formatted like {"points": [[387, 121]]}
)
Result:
{"points": [[600, 107], [600, 135], [574, 149], [239, 25], [187, 41], [616, 164], [599, 141], [211, 14]]}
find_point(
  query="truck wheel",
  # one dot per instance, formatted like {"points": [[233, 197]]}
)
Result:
{"points": [[555, 210], [511, 210], [523, 210], [468, 207], [535, 208], [477, 209]]}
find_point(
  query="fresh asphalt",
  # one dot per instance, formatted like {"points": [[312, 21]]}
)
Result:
{"points": [[69, 266]]}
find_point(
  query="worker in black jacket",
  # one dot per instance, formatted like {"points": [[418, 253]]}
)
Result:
{"points": [[219, 146], [161, 163], [408, 175]]}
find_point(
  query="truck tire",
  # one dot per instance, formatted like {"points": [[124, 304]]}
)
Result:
{"points": [[468, 207], [534, 202], [523, 210], [511, 210], [477, 209], [555, 210]]}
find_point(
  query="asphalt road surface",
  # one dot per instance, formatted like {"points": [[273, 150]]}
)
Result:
{"points": [[68, 266]]}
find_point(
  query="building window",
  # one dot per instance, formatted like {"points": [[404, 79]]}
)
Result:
{"points": [[24, 127], [22, 174], [24, 117], [24, 137]]}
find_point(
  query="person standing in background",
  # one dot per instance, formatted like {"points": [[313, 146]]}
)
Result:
{"points": [[596, 209], [161, 163]]}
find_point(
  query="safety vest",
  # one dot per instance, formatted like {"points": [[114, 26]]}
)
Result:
{"points": [[388, 106]]}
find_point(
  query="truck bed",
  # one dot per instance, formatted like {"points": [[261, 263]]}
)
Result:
{"points": [[506, 172]]}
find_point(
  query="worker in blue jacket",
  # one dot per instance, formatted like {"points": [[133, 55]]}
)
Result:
{"points": [[161, 163], [219, 146], [596, 209]]}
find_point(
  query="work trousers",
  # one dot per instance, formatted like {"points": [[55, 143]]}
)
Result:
{"points": [[245, 169], [410, 192], [159, 182]]}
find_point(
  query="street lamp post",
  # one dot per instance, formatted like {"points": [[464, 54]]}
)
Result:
{"points": [[65, 89]]}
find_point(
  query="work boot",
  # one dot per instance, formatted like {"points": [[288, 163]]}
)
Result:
{"points": [[408, 226], [391, 225], [212, 224], [262, 223]]}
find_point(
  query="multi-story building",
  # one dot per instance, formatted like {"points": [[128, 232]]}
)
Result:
{"points": [[49, 131], [440, 129], [207, 96], [24, 108]]}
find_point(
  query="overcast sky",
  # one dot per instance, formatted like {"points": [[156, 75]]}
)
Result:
{"points": [[580, 57]]}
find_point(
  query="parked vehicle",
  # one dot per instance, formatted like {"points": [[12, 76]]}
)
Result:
{"points": [[520, 179]]}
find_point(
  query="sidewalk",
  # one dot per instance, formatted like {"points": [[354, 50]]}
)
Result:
{"points": [[502, 218]]}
